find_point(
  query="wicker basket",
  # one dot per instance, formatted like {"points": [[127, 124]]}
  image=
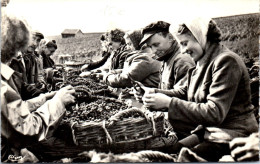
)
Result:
{"points": [[120, 134]]}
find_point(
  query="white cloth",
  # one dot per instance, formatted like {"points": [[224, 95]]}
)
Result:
{"points": [[198, 27]]}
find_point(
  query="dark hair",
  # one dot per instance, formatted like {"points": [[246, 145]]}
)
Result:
{"points": [[213, 34], [36, 33], [52, 44], [103, 37], [117, 35], [183, 29], [135, 37]]}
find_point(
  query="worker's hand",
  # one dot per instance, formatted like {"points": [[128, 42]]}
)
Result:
{"points": [[85, 74], [245, 149], [99, 76], [156, 101], [50, 95], [105, 76], [66, 95], [84, 68], [140, 90]]}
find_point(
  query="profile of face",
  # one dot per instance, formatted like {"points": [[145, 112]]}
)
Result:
{"points": [[36, 40], [159, 44], [129, 44], [104, 45], [114, 45], [191, 46], [49, 50], [34, 44]]}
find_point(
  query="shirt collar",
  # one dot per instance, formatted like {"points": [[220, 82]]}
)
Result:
{"points": [[6, 71]]}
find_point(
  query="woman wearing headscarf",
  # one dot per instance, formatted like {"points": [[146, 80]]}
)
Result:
{"points": [[216, 94], [139, 66], [24, 123]]}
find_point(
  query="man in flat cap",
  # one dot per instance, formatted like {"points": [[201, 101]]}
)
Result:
{"points": [[26, 63], [37, 37], [162, 43], [31, 58], [166, 49]]}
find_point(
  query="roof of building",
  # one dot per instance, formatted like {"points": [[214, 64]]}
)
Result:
{"points": [[71, 31]]}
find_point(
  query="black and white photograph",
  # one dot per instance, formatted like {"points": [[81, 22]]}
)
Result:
{"points": [[129, 81]]}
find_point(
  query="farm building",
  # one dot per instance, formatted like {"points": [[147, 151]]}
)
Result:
{"points": [[68, 33]]}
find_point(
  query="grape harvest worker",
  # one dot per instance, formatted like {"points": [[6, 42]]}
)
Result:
{"points": [[27, 64], [48, 48], [216, 95], [117, 42], [166, 49], [24, 123], [106, 52], [140, 66]]}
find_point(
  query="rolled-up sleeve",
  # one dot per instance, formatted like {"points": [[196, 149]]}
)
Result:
{"points": [[140, 67]]}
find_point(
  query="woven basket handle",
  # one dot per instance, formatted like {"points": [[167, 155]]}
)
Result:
{"points": [[156, 155], [129, 112], [124, 114]]}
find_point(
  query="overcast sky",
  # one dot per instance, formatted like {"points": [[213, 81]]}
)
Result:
{"points": [[51, 17]]}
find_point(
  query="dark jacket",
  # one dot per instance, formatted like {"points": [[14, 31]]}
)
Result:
{"points": [[217, 96], [30, 66], [119, 58], [174, 69], [17, 65], [139, 67], [47, 61], [27, 91]]}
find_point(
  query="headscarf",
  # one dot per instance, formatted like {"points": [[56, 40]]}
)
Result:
{"points": [[199, 29], [135, 37]]}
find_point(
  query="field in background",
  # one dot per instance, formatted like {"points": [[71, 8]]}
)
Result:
{"points": [[82, 48], [240, 34]]}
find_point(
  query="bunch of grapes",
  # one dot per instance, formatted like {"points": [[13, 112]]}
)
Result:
{"points": [[101, 109]]}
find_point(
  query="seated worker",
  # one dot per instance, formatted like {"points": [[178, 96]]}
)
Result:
{"points": [[117, 42], [48, 47], [138, 67], [37, 37], [216, 94], [24, 123], [106, 52], [27, 65], [117, 58], [166, 49], [27, 91]]}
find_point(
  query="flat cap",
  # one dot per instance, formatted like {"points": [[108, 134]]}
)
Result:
{"points": [[36, 33], [153, 28]]}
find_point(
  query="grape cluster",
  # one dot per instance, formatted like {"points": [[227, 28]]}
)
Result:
{"points": [[101, 109]]}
